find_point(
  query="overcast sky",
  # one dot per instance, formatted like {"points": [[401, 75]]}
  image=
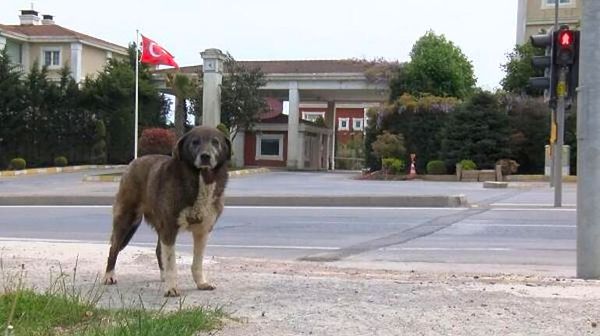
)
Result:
{"points": [[301, 29]]}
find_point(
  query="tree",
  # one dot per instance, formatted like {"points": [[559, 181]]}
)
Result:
{"points": [[111, 96], [518, 70], [12, 104], [437, 67], [478, 130], [184, 89], [241, 100]]}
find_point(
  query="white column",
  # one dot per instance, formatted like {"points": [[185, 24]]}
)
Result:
{"points": [[211, 93], [76, 61], [238, 149], [2, 42], [300, 149], [26, 61], [293, 127]]}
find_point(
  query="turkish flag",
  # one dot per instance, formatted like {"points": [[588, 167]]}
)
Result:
{"points": [[152, 53]]}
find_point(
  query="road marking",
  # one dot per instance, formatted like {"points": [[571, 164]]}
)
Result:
{"points": [[518, 225], [54, 206], [549, 205], [534, 209], [446, 249], [250, 207]]}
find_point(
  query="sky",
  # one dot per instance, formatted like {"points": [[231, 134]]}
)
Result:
{"points": [[283, 29]]}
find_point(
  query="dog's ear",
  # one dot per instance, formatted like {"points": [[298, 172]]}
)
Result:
{"points": [[177, 150]]}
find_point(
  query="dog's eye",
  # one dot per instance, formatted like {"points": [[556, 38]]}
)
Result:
{"points": [[195, 142], [215, 142]]}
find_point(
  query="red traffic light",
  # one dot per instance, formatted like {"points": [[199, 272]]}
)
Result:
{"points": [[565, 38]]}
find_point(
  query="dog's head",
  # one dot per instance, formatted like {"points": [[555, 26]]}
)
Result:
{"points": [[203, 148]]}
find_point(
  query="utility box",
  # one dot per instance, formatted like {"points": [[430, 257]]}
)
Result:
{"points": [[566, 168]]}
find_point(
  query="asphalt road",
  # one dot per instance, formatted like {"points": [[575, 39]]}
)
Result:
{"points": [[534, 238]]}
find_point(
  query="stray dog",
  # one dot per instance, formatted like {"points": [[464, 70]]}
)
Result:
{"points": [[182, 192]]}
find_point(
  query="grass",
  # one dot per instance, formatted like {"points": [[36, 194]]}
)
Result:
{"points": [[64, 309]]}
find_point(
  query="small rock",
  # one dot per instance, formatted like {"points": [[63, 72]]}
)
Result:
{"points": [[263, 314], [476, 277], [594, 324]]}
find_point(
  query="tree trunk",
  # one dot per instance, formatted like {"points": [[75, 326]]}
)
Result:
{"points": [[180, 116]]}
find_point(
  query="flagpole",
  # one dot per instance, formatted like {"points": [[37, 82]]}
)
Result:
{"points": [[137, 62]]}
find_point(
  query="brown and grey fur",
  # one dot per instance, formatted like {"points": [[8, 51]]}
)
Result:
{"points": [[182, 192]]}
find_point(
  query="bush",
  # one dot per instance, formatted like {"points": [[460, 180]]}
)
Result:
{"points": [[17, 164], [156, 141], [436, 167], [60, 161], [389, 145], [468, 165], [393, 165]]}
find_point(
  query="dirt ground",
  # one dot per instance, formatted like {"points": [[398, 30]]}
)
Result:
{"points": [[304, 298]]}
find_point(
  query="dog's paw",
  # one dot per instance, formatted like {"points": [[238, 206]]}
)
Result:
{"points": [[206, 286], [173, 292], [110, 279]]}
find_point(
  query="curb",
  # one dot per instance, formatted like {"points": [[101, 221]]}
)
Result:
{"points": [[434, 201], [54, 170], [235, 173]]}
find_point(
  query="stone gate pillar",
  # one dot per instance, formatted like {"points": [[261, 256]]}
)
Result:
{"points": [[212, 69]]}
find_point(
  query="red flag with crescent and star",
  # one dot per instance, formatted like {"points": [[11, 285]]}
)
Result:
{"points": [[153, 53]]}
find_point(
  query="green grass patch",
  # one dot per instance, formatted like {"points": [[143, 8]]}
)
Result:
{"points": [[64, 314], [66, 309]]}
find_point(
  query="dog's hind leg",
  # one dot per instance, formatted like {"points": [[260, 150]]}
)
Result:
{"points": [[159, 258], [125, 223]]}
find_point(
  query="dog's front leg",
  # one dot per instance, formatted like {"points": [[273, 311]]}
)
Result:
{"points": [[168, 259], [200, 239]]}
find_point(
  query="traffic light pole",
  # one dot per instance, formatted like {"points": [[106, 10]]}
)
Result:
{"points": [[560, 137], [588, 145]]}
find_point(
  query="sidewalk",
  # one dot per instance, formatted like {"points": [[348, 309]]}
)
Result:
{"points": [[282, 188], [274, 298]]}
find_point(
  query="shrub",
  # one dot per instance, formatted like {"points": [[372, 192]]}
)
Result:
{"points": [[17, 164], [389, 145], [393, 165], [156, 141], [398, 166], [99, 148], [60, 161], [436, 167], [320, 122], [468, 165]]}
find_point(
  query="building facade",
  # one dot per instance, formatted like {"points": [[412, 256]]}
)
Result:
{"points": [[39, 40], [536, 15]]}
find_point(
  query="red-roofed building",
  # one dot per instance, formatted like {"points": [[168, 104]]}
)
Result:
{"points": [[40, 39]]}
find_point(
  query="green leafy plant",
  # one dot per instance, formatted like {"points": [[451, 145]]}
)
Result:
{"points": [[393, 165], [468, 165], [436, 167], [60, 161], [17, 164]]}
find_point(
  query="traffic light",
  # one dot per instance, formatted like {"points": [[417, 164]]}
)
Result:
{"points": [[546, 62], [567, 57]]}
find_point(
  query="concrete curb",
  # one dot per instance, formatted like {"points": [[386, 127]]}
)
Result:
{"points": [[54, 170], [433, 201], [235, 173]]}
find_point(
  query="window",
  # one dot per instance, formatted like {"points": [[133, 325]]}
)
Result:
{"points": [[551, 3], [269, 147], [51, 57], [312, 115], [344, 124], [357, 124]]}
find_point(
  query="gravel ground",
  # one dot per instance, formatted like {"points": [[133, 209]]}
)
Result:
{"points": [[302, 298]]}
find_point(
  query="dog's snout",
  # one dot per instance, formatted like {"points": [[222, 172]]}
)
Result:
{"points": [[204, 157]]}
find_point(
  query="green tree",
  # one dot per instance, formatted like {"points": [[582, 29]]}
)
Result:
{"points": [[389, 145], [111, 97], [437, 67], [478, 130], [518, 70], [12, 105], [241, 100], [184, 89]]}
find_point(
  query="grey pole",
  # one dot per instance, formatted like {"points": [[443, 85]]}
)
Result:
{"points": [[588, 145], [560, 137], [553, 120]]}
